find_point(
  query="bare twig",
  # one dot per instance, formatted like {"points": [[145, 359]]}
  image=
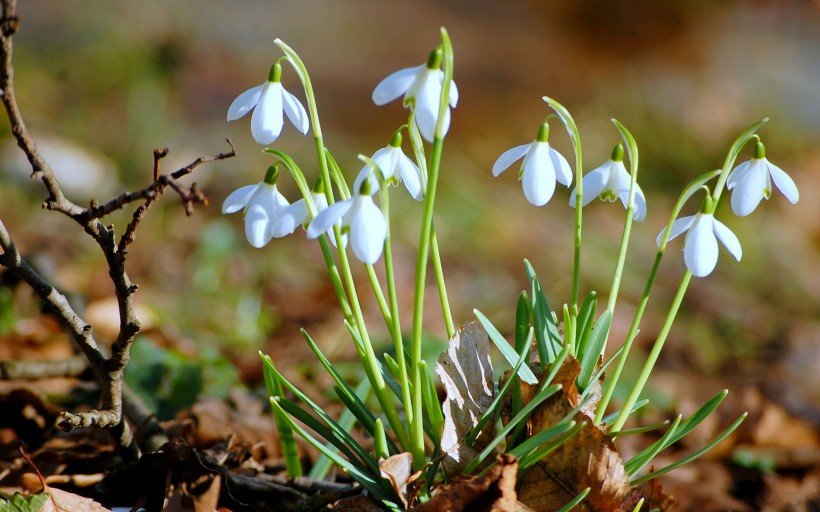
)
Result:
{"points": [[107, 370]]}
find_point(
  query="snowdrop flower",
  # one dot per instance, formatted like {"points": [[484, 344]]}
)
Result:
{"points": [[263, 205], [700, 248], [268, 101], [752, 181], [298, 214], [542, 165], [610, 182], [362, 218], [421, 86], [395, 167]]}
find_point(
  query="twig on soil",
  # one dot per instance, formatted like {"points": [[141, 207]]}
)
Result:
{"points": [[107, 370]]}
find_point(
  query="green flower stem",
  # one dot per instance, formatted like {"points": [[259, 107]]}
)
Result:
{"points": [[609, 386], [737, 145], [417, 427], [394, 325], [313, 112], [653, 354], [632, 151], [575, 136], [304, 189], [384, 307], [442, 288], [370, 361]]}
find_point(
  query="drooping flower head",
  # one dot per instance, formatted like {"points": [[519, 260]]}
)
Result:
{"points": [[421, 87], [752, 181], [360, 217], [396, 167], [541, 167], [262, 205], [700, 247], [611, 181], [268, 101], [298, 213]]}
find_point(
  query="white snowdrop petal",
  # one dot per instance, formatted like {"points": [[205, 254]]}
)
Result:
{"points": [[538, 178], [679, 226], [562, 171], [784, 183], [453, 94], [594, 183], [728, 238], [295, 111], [238, 199], [411, 176], [750, 188], [736, 174], [267, 120], [395, 85], [257, 224], [326, 218], [700, 250], [384, 159], [289, 219], [640, 204], [426, 109], [244, 103], [508, 157], [368, 231]]}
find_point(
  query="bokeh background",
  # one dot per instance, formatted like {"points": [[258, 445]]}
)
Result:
{"points": [[101, 84]]}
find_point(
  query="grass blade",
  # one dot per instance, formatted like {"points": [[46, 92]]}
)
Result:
{"points": [[507, 351]]}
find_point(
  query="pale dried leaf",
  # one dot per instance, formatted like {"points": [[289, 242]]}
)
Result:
{"points": [[466, 372], [64, 501], [397, 469]]}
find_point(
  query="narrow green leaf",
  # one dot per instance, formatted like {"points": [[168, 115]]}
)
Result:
{"points": [[332, 433], [522, 415], [435, 417], [377, 487], [697, 454], [290, 452], [611, 417], [594, 346], [586, 316], [546, 327], [380, 441], [322, 466], [639, 430], [636, 463], [575, 501], [540, 438], [522, 327], [506, 350]]}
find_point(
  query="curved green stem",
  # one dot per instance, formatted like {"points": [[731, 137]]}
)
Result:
{"points": [[653, 354], [442, 288], [416, 427], [575, 137], [609, 386]]}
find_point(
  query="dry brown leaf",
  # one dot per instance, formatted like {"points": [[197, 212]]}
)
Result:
{"points": [[466, 372], [588, 459], [494, 492]]}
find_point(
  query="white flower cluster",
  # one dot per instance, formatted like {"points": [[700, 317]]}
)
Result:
{"points": [[267, 212]]}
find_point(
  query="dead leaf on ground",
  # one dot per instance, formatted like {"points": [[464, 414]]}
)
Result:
{"points": [[467, 375], [64, 501], [588, 459], [495, 492]]}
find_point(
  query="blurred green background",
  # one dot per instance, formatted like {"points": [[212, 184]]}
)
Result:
{"points": [[102, 83]]}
